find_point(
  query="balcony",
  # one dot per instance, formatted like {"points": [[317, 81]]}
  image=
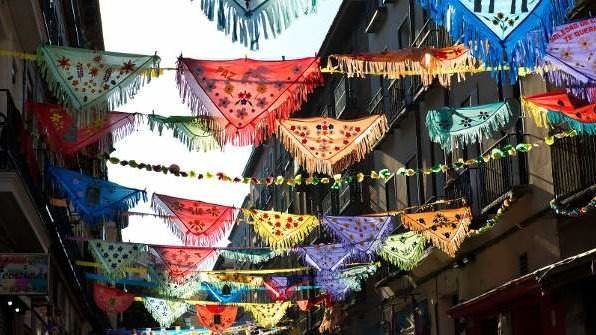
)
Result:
{"points": [[574, 165], [485, 185], [390, 100]]}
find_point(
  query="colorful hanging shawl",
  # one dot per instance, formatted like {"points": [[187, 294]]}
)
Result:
{"points": [[84, 80], [336, 287], [329, 146], [279, 288], [62, 135], [428, 63], [323, 299], [253, 256], [501, 33], [403, 250], [114, 257], [181, 262], [362, 233], [446, 229], [231, 293], [570, 51], [326, 257], [558, 107], [111, 300], [168, 287], [268, 315], [247, 21], [194, 222], [281, 230], [165, 312], [190, 130], [216, 318], [457, 127], [244, 97], [94, 198], [234, 280]]}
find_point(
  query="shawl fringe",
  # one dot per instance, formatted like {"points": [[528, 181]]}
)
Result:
{"points": [[124, 128], [211, 142], [405, 262], [537, 113], [240, 256], [268, 321], [579, 127], [371, 252]]}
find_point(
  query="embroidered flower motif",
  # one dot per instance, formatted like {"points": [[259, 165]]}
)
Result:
{"points": [[261, 102], [465, 122], [93, 72], [64, 63], [210, 85], [566, 53], [244, 98], [483, 115], [241, 113], [296, 69], [278, 84], [229, 89], [224, 102], [261, 88], [127, 67]]}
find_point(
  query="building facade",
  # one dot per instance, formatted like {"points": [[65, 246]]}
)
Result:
{"points": [[529, 273], [33, 218]]}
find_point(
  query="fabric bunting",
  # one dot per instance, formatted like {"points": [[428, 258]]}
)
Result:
{"points": [[111, 300], [279, 289], [171, 288], [234, 280], [268, 315], [281, 230], [243, 98], [62, 135], [339, 284], [253, 256], [190, 130], [457, 127], [94, 198], [570, 51], [114, 257], [329, 146], [88, 80], [216, 318], [326, 257], [235, 293], [363, 233], [194, 222], [165, 312], [403, 250], [429, 63], [181, 262], [558, 107], [307, 304], [505, 33], [445, 229], [248, 21]]}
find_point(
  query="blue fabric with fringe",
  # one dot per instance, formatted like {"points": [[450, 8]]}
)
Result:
{"points": [[581, 128], [234, 295], [93, 198]]}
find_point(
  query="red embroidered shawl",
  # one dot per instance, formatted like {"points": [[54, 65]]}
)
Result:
{"points": [[561, 102], [183, 261], [216, 318], [111, 300], [244, 97], [195, 222]]}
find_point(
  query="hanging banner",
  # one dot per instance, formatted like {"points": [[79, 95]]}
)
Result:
{"points": [[24, 274]]}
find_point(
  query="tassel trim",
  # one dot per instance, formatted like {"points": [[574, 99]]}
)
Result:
{"points": [[241, 256], [370, 253], [211, 141], [406, 262], [580, 127], [114, 273], [268, 320], [174, 309], [537, 113]]}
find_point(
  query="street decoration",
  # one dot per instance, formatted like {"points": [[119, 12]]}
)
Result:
{"points": [[227, 294], [112, 300], [61, 133], [446, 229], [268, 315], [245, 97], [308, 304], [327, 145], [195, 222], [249, 21], [502, 34], [429, 63], [24, 274], [570, 58], [338, 284], [219, 280], [281, 230], [253, 256], [559, 108], [94, 198], [589, 208], [403, 250], [278, 288], [166, 286], [182, 262], [114, 258], [508, 200], [326, 257], [216, 318], [364, 234], [90, 82], [190, 130], [458, 127], [165, 312]]}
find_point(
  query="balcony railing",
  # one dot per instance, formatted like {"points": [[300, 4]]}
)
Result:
{"points": [[390, 100], [574, 165]]}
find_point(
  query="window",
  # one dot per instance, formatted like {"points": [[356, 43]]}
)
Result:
{"points": [[390, 194], [340, 96], [412, 183], [324, 110]]}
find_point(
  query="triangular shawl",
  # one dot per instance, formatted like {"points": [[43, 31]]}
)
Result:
{"points": [[216, 318], [570, 51], [322, 299], [336, 287], [279, 288], [253, 256], [403, 250], [111, 300], [458, 127], [62, 135], [501, 33], [326, 145], [190, 130], [165, 312], [182, 262], [362, 233], [428, 63], [326, 257], [84, 80], [558, 107], [445, 229], [244, 97], [114, 257], [268, 315], [194, 222], [168, 287], [281, 230], [235, 294], [94, 198], [219, 280], [248, 21]]}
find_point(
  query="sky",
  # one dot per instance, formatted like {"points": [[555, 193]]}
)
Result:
{"points": [[172, 27]]}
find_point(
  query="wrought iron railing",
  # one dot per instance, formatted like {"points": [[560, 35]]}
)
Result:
{"points": [[390, 100], [574, 165]]}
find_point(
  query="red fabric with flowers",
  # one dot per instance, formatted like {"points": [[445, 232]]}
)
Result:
{"points": [[216, 318], [183, 261], [560, 101], [111, 300]]}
